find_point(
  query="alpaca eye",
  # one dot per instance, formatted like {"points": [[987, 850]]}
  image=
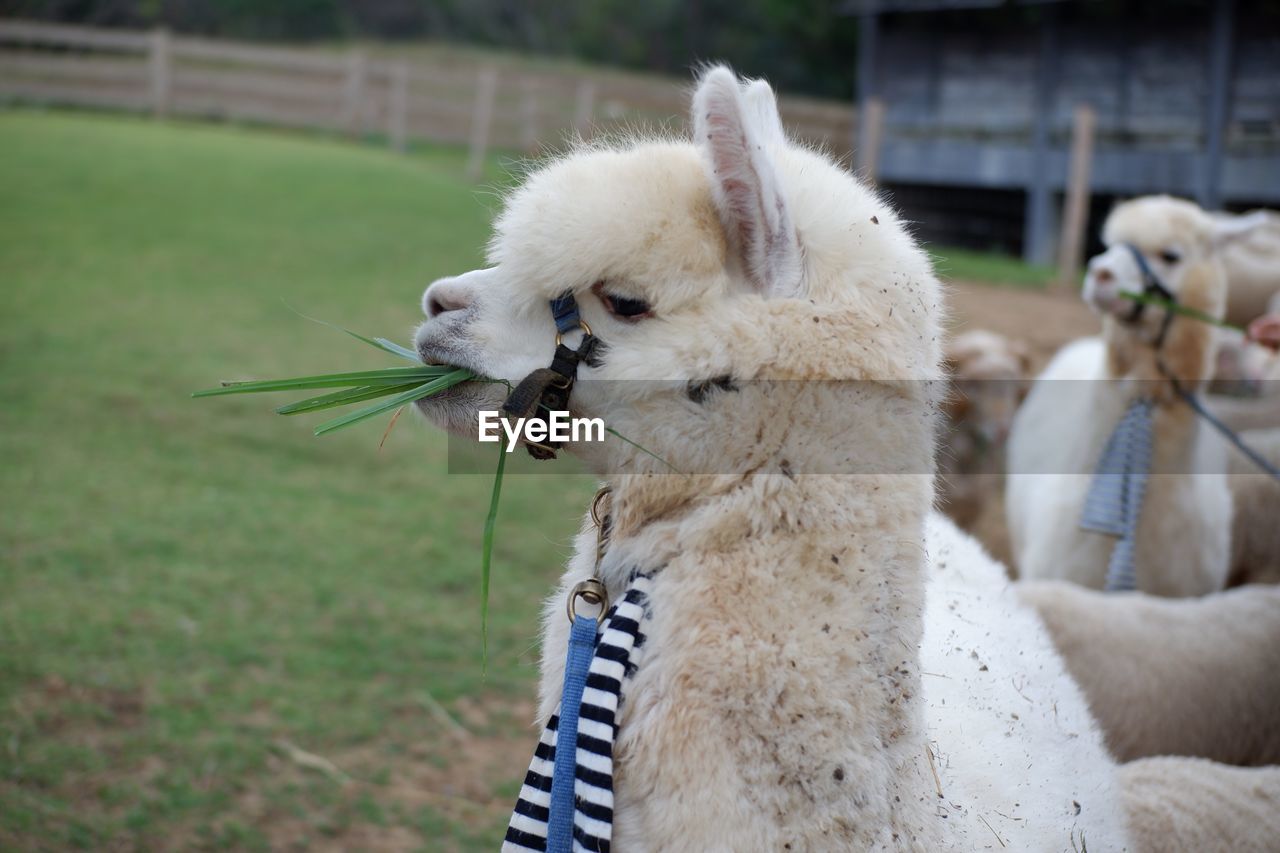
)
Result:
{"points": [[1169, 256], [626, 308]]}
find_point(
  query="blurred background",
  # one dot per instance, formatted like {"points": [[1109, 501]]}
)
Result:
{"points": [[219, 632]]}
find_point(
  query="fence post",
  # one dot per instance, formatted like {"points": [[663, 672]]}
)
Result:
{"points": [[481, 119], [1075, 210], [584, 108], [398, 106], [160, 72], [353, 93], [870, 134], [529, 119]]}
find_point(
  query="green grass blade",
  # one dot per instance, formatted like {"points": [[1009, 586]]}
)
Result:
{"points": [[434, 387], [642, 449], [395, 348], [1179, 308], [343, 398], [486, 556], [381, 343], [387, 376]]}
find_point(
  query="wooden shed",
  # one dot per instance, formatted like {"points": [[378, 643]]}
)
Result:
{"points": [[978, 99]]}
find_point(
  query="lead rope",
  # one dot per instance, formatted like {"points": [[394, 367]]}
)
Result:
{"points": [[566, 801], [1152, 285]]}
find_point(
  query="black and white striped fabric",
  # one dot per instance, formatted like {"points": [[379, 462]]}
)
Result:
{"points": [[620, 638]]}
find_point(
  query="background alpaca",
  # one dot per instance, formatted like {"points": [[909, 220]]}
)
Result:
{"points": [[1251, 264], [1172, 677], [989, 376], [987, 372], [1183, 541], [1255, 536], [778, 700], [1205, 806]]}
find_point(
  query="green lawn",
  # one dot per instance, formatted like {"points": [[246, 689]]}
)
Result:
{"points": [[197, 595], [989, 268]]}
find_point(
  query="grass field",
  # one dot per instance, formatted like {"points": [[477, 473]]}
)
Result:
{"points": [[217, 631], [196, 596]]}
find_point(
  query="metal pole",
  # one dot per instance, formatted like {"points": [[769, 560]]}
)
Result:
{"points": [[1218, 104], [1075, 216], [868, 37], [1036, 236]]}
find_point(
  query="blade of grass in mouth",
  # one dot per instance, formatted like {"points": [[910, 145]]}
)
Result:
{"points": [[456, 376], [486, 555], [381, 343], [1179, 308], [343, 398], [388, 376]]}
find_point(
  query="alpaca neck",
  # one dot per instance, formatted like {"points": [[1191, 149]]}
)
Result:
{"points": [[1136, 369], [790, 615]]}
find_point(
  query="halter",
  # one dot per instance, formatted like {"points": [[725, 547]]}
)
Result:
{"points": [[1151, 286], [547, 389]]}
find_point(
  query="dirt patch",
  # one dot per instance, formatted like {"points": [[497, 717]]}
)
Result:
{"points": [[1043, 320], [464, 774]]}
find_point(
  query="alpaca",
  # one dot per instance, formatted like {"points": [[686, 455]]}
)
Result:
{"points": [[1255, 536], [1252, 264], [1208, 807], [1182, 542], [1244, 368], [767, 329], [1164, 676], [989, 375]]}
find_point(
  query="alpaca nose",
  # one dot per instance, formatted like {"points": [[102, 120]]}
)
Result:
{"points": [[447, 294]]}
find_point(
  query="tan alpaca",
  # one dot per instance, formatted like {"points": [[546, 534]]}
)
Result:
{"points": [[827, 666], [1252, 264], [1191, 677], [1183, 539]]}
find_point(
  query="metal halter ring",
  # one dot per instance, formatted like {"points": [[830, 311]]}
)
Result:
{"points": [[582, 324], [596, 517], [591, 591]]}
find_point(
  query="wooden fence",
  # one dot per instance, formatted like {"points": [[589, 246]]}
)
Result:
{"points": [[354, 92]]}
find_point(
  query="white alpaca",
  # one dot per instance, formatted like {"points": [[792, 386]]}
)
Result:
{"points": [[1183, 536], [782, 699]]}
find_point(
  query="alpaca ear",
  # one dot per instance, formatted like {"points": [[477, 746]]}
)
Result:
{"points": [[763, 108], [736, 131], [1227, 229]]}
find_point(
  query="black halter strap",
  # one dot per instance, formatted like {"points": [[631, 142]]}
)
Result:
{"points": [[1151, 286], [547, 389]]}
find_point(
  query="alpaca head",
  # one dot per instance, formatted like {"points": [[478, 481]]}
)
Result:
{"points": [[1179, 242], [703, 269]]}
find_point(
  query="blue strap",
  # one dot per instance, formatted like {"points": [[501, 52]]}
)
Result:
{"points": [[565, 310], [582, 647]]}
